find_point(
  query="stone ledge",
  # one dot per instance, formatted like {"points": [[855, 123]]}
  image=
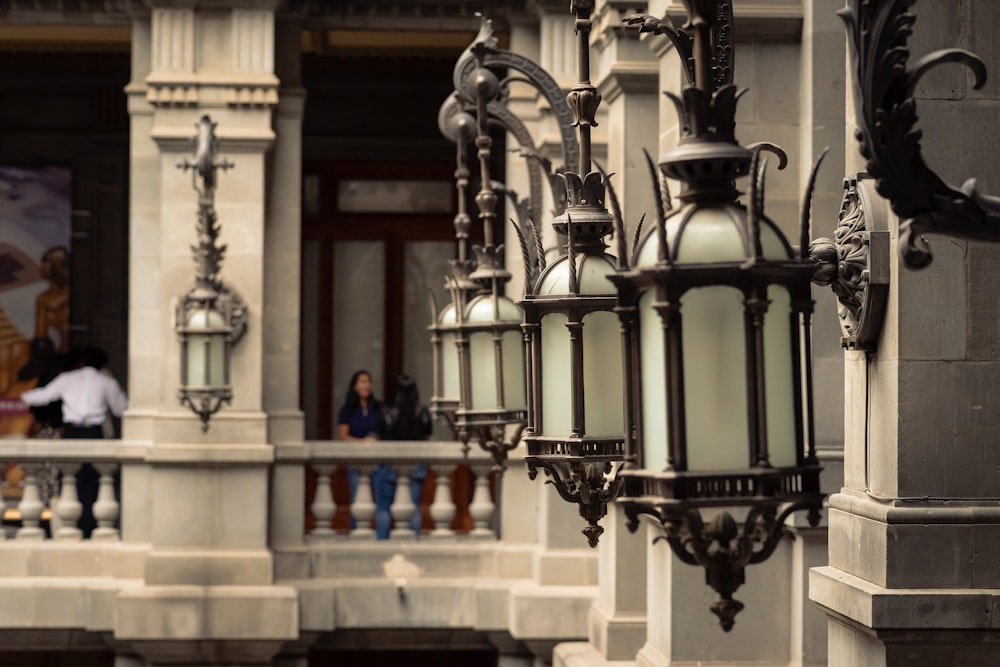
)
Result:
{"points": [[922, 511], [881, 608], [257, 613], [581, 654]]}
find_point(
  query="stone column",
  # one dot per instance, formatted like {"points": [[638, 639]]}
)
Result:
{"points": [[626, 73], [915, 532], [208, 588]]}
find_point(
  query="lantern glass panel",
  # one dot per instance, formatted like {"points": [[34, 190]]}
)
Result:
{"points": [[483, 360], [449, 366], [514, 396], [602, 374], [652, 368], [715, 378], [205, 350], [556, 374], [779, 381]]}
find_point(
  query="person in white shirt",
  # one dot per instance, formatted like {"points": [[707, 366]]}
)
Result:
{"points": [[87, 396]]}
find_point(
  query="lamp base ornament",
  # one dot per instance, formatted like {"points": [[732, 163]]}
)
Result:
{"points": [[722, 545]]}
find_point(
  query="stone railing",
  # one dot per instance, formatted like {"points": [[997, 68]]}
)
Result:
{"points": [[35, 500], [370, 464]]}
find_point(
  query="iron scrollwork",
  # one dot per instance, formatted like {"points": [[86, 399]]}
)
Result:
{"points": [[590, 485], [890, 142], [722, 546], [855, 264]]}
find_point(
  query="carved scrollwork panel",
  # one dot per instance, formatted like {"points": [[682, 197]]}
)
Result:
{"points": [[855, 263]]}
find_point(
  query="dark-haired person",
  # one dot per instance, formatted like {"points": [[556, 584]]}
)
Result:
{"points": [[87, 395], [360, 419], [409, 420], [361, 413]]}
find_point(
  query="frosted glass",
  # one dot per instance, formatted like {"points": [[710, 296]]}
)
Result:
{"points": [[513, 371], [715, 390], [483, 365], [711, 235], [200, 373], [653, 385], [482, 354], [358, 315], [449, 367], [602, 374], [556, 404], [779, 383]]}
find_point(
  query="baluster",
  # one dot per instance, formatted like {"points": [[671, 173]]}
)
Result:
{"points": [[106, 506], [363, 507], [481, 508], [442, 510], [67, 508], [31, 505], [402, 506], [323, 507]]}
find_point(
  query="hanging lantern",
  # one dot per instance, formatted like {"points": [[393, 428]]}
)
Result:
{"points": [[459, 127], [575, 429], [716, 316], [487, 334], [211, 317]]}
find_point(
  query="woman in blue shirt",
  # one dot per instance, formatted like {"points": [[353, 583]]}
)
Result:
{"points": [[360, 418], [361, 413]]}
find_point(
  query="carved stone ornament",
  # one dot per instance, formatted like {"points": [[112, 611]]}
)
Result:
{"points": [[855, 263]]}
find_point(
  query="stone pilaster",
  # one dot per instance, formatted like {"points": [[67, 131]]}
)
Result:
{"points": [[208, 582], [627, 75], [915, 531]]}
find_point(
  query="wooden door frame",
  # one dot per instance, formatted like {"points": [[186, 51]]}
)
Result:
{"points": [[328, 226]]}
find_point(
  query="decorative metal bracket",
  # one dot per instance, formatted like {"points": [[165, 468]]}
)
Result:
{"points": [[491, 438], [855, 264], [723, 546], [886, 112], [590, 485]]}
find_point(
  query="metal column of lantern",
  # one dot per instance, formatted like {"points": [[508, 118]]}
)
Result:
{"points": [[460, 127], [211, 317], [716, 313], [487, 333], [572, 334]]}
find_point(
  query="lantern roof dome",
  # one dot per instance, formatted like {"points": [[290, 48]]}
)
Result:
{"points": [[486, 308], [448, 315], [701, 234], [592, 273]]}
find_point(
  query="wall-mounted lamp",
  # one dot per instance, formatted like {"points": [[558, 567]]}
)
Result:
{"points": [[211, 317]]}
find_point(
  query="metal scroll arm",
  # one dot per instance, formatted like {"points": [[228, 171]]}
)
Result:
{"points": [[886, 113]]}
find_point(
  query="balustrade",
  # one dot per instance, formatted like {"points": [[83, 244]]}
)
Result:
{"points": [[400, 517], [48, 490]]}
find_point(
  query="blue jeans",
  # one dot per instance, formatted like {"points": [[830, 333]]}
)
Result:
{"points": [[383, 481]]}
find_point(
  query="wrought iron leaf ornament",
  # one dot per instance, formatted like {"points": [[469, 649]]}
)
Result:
{"points": [[890, 142]]}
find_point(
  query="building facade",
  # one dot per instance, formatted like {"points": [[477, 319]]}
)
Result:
{"points": [[235, 545]]}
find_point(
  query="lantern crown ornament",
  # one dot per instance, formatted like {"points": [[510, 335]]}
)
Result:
{"points": [[715, 307], [211, 317]]}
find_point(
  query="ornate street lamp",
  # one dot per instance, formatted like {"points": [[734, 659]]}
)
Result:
{"points": [[211, 317], [716, 331], [577, 436], [487, 331], [458, 126]]}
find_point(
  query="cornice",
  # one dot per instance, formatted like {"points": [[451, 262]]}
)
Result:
{"points": [[629, 78]]}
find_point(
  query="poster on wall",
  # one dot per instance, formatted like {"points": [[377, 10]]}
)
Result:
{"points": [[35, 230]]}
